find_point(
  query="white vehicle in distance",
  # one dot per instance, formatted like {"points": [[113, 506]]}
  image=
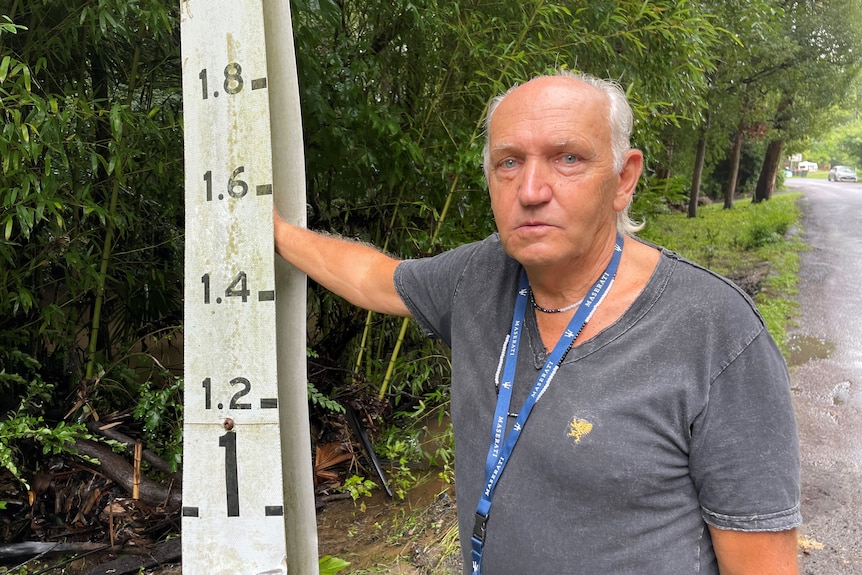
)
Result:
{"points": [[842, 174]]}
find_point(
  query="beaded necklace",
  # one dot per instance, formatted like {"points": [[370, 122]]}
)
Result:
{"points": [[537, 307]]}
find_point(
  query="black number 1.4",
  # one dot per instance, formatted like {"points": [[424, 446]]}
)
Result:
{"points": [[237, 288]]}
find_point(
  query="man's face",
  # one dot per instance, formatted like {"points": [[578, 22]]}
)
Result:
{"points": [[554, 191]]}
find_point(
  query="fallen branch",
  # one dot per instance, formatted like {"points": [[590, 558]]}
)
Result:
{"points": [[149, 456], [17, 551], [166, 552], [120, 471], [322, 500]]}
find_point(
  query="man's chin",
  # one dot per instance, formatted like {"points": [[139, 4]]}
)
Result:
{"points": [[533, 255]]}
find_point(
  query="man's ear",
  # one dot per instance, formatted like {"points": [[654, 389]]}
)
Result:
{"points": [[629, 176]]}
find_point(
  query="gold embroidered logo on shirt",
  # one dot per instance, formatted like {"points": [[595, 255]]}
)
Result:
{"points": [[578, 428]]}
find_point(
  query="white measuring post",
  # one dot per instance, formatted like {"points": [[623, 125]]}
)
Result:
{"points": [[247, 483]]}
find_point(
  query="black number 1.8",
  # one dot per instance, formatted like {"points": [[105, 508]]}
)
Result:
{"points": [[233, 81]]}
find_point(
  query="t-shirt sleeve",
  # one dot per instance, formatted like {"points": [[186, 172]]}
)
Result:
{"points": [[428, 288], [745, 451]]}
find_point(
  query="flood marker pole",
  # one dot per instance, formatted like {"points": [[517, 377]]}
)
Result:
{"points": [[289, 182], [248, 501]]}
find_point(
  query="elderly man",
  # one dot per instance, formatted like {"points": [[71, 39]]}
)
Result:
{"points": [[617, 409]]}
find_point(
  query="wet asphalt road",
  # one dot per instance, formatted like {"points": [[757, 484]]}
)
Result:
{"points": [[826, 374]]}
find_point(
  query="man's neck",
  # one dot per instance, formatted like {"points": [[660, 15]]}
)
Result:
{"points": [[558, 285]]}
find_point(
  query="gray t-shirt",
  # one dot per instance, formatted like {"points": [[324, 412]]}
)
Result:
{"points": [[677, 415]]}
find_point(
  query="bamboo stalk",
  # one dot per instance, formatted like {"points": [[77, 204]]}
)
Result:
{"points": [[108, 243], [96, 319], [136, 471]]}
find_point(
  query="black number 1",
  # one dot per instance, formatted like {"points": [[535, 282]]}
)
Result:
{"points": [[208, 178], [228, 441], [208, 393], [203, 77], [205, 279]]}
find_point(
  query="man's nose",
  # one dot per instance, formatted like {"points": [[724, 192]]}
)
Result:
{"points": [[536, 183]]}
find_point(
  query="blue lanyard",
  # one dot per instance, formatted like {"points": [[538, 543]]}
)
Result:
{"points": [[500, 451]]}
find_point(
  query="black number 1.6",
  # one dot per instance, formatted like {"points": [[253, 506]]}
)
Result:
{"points": [[236, 188]]}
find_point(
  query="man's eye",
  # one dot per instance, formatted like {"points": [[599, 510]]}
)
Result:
{"points": [[569, 159], [508, 163]]}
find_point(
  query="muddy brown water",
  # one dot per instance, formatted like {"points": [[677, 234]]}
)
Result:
{"points": [[417, 535]]}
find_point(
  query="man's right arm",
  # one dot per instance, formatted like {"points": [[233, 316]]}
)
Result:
{"points": [[359, 273]]}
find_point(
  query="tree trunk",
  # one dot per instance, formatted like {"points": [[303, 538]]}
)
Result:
{"points": [[769, 171], [698, 174], [730, 191], [772, 159], [662, 170]]}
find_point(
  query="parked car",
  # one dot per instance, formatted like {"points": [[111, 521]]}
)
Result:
{"points": [[842, 174]]}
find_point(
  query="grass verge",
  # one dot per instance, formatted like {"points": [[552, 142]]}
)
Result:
{"points": [[756, 245]]}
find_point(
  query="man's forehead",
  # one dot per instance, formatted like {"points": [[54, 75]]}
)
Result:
{"points": [[567, 114], [549, 89], [543, 98]]}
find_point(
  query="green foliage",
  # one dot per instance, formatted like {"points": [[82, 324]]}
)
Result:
{"points": [[90, 202], [717, 237], [357, 486], [160, 408], [841, 146], [405, 447], [19, 434], [401, 450], [329, 565], [317, 397], [323, 401], [26, 437], [768, 225], [659, 196]]}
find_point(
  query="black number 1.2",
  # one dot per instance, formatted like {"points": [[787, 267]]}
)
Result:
{"points": [[228, 441]]}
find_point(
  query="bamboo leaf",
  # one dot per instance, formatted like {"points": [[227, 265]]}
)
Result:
{"points": [[4, 67]]}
